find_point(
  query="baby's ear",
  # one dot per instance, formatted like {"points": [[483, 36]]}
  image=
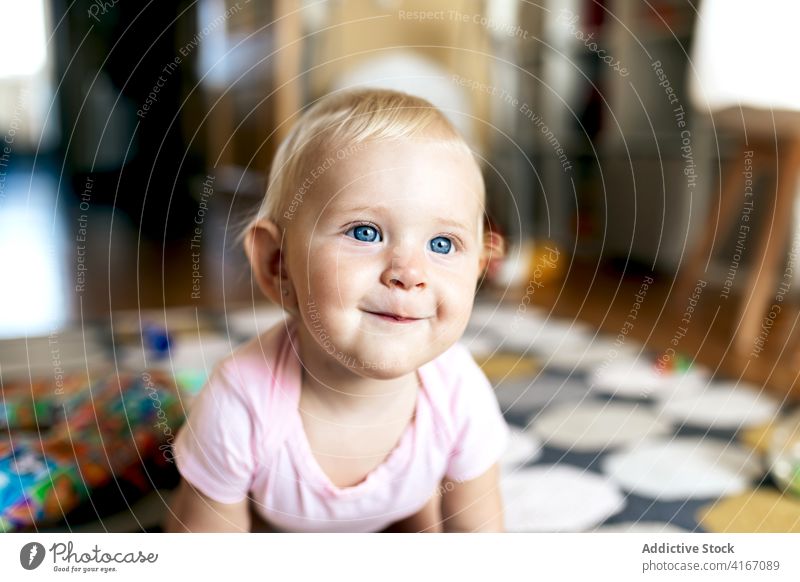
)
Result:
{"points": [[263, 245], [494, 246]]}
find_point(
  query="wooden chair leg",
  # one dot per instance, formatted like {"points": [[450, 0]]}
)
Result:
{"points": [[772, 243], [725, 208]]}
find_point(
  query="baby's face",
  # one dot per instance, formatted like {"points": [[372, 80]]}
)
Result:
{"points": [[384, 255]]}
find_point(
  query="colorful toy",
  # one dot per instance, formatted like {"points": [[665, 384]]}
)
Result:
{"points": [[91, 432]]}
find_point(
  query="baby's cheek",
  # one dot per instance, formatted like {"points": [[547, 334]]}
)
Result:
{"points": [[323, 272], [454, 312], [461, 292]]}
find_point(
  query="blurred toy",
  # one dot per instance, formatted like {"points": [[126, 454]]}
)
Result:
{"points": [[28, 404], [784, 453], [157, 341], [104, 429], [532, 264], [547, 262], [672, 362]]}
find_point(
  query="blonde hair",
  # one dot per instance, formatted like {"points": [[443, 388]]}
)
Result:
{"points": [[341, 121]]}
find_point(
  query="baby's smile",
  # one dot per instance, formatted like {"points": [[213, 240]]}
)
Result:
{"points": [[401, 313], [395, 318]]}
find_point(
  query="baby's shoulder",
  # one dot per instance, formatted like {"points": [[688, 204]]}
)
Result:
{"points": [[254, 373], [458, 376]]}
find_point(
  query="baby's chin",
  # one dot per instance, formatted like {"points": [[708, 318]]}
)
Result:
{"points": [[383, 371], [382, 367]]}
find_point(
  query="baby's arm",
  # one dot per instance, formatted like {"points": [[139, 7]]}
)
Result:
{"points": [[426, 520], [475, 505], [191, 511]]}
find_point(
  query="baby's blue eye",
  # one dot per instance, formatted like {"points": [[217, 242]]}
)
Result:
{"points": [[364, 233], [441, 244]]}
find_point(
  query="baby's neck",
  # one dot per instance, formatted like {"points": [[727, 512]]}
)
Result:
{"points": [[359, 400]]}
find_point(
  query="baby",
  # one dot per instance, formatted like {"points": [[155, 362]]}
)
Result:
{"points": [[360, 412]]}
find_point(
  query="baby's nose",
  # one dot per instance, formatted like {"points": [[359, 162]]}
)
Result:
{"points": [[405, 272]]}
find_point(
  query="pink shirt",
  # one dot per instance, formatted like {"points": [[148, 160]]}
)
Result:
{"points": [[244, 436]]}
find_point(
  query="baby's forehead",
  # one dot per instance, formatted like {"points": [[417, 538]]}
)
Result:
{"points": [[428, 176], [358, 160]]}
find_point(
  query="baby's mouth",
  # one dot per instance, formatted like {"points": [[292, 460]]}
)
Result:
{"points": [[392, 317]]}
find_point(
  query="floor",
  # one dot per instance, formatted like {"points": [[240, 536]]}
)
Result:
{"points": [[603, 296], [601, 439]]}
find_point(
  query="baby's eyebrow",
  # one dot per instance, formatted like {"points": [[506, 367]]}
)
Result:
{"points": [[381, 208], [454, 223], [359, 209]]}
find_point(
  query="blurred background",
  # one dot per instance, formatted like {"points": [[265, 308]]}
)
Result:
{"points": [[641, 159]]}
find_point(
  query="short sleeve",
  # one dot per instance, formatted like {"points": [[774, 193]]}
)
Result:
{"points": [[481, 431], [213, 449]]}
